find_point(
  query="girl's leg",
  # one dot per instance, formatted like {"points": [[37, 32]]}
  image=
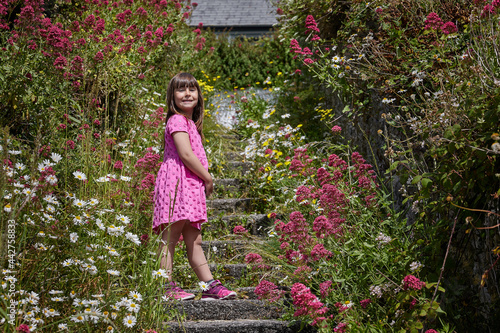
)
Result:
{"points": [[166, 250], [196, 256]]}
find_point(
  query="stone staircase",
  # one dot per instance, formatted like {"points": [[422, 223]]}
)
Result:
{"points": [[245, 314]]}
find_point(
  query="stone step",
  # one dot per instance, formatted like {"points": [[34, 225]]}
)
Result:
{"points": [[243, 292], [228, 185], [230, 206], [236, 326], [234, 156], [256, 224], [242, 167], [225, 309]]}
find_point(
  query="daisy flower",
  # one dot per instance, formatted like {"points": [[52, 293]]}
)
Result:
{"points": [[110, 329], [79, 203], [129, 321], [63, 327], [125, 178], [203, 285], [56, 157], [113, 272], [124, 219], [160, 273], [93, 202], [135, 295], [132, 306], [7, 208], [73, 237], [79, 175]]}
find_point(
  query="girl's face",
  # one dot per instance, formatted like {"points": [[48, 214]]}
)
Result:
{"points": [[186, 99]]}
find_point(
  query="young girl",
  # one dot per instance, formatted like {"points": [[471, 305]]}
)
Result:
{"points": [[181, 185]]}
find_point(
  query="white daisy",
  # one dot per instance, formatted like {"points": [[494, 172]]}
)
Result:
{"points": [[79, 203], [93, 202], [132, 237], [79, 175], [160, 273], [113, 272], [56, 157], [73, 237], [63, 327], [129, 321], [132, 306], [19, 166], [124, 219], [7, 208], [203, 285], [125, 178], [135, 295]]}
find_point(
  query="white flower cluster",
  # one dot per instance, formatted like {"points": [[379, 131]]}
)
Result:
{"points": [[383, 239], [415, 265]]}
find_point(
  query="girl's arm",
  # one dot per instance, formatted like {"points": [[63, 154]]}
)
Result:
{"points": [[181, 141]]}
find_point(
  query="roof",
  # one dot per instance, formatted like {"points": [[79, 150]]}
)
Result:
{"points": [[234, 13]]}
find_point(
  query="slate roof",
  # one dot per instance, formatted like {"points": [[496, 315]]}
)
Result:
{"points": [[234, 13]]}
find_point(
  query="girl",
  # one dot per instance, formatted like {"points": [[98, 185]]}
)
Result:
{"points": [[181, 185]]}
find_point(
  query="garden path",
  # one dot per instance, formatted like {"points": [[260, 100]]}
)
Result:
{"points": [[230, 207]]}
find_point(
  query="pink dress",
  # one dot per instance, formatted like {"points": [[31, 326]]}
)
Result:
{"points": [[189, 201]]}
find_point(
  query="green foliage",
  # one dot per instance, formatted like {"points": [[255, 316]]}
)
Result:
{"points": [[440, 89], [243, 62]]}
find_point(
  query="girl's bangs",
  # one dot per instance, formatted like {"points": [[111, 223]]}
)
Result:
{"points": [[185, 80]]}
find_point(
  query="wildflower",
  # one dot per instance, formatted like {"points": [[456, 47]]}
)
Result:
{"points": [[132, 306], [412, 282], [79, 175], [386, 100], [63, 327], [496, 147], [336, 129], [383, 239], [73, 237], [133, 238], [113, 272], [253, 258], [135, 295], [129, 321], [376, 291], [239, 230], [415, 265], [364, 303], [203, 285], [324, 288], [160, 273], [7, 208], [268, 290], [124, 219]]}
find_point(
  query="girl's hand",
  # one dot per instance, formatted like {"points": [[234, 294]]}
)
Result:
{"points": [[209, 187]]}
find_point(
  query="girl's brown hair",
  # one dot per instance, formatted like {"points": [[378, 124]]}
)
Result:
{"points": [[185, 80]]}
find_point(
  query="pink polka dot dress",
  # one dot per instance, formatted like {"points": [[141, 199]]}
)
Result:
{"points": [[189, 199]]}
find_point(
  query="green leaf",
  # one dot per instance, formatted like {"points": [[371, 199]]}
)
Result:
{"points": [[419, 325], [426, 182], [416, 179]]}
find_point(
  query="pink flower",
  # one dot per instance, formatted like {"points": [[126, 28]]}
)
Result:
{"points": [[118, 165], [308, 61], [23, 328], [307, 304], [253, 258], [324, 288], [311, 24], [336, 129], [60, 62], [340, 328], [70, 144], [449, 28], [268, 291], [364, 303], [319, 252], [431, 331], [239, 230], [295, 47], [99, 57], [279, 11], [433, 21], [412, 282]]}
